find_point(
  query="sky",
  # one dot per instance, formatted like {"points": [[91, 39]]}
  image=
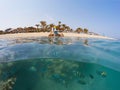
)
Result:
{"points": [[100, 16]]}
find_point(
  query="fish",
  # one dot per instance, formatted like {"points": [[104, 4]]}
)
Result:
{"points": [[91, 76], [82, 82]]}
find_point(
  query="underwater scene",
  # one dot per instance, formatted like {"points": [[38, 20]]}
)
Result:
{"points": [[59, 64]]}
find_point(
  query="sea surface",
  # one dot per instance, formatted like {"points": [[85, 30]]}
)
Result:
{"points": [[67, 63]]}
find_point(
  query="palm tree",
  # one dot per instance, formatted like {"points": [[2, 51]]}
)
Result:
{"points": [[86, 30], [79, 30], [71, 30], [51, 26], [43, 25], [67, 28], [1, 32], [59, 23], [48, 28], [26, 29], [37, 25], [63, 27]]}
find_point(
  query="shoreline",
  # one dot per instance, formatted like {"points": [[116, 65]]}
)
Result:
{"points": [[42, 34]]}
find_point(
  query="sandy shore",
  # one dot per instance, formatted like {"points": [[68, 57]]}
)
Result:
{"points": [[40, 34]]}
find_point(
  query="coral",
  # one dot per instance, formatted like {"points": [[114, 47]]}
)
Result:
{"points": [[7, 84]]}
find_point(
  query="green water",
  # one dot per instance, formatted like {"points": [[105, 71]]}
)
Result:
{"points": [[59, 64], [57, 74]]}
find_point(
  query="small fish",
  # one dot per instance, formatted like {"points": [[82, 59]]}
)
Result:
{"points": [[82, 82], [91, 76]]}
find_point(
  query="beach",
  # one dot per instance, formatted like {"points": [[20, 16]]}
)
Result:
{"points": [[45, 34]]}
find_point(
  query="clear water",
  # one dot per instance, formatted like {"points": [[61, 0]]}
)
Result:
{"points": [[59, 64]]}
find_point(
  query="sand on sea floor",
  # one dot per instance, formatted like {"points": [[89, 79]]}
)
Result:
{"points": [[40, 34]]}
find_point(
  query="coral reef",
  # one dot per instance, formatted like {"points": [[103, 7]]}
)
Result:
{"points": [[7, 84]]}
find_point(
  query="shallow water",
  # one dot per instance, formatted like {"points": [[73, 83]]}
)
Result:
{"points": [[59, 64]]}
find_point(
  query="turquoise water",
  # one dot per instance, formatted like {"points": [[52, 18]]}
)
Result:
{"points": [[59, 64]]}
